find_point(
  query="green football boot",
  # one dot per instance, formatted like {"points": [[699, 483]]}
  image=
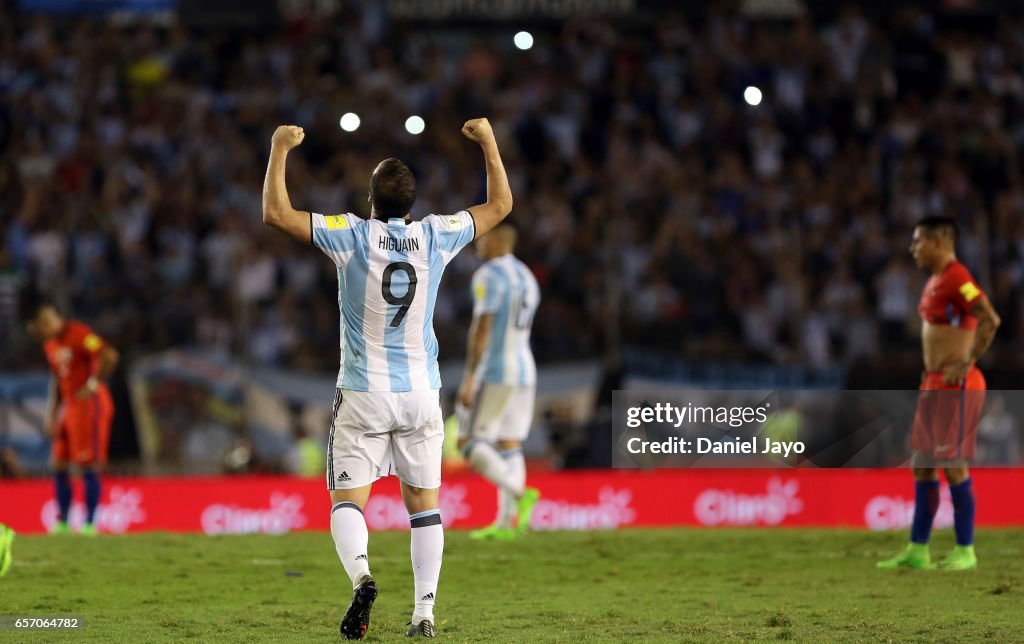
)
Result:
{"points": [[525, 506], [495, 532], [6, 541], [60, 528], [88, 530], [962, 558], [915, 556]]}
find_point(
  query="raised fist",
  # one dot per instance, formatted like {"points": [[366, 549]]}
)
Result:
{"points": [[288, 136], [478, 130]]}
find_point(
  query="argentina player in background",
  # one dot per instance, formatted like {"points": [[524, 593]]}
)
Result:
{"points": [[500, 383], [387, 416]]}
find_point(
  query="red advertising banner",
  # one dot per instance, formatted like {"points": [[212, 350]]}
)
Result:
{"points": [[579, 500]]}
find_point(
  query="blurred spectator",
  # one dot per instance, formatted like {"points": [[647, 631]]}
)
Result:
{"points": [[568, 445], [133, 156], [10, 467], [240, 458], [204, 445], [999, 441], [306, 456]]}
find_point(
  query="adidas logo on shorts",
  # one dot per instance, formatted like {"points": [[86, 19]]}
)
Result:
{"points": [[343, 477]]}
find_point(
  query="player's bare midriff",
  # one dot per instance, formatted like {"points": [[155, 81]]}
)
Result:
{"points": [[944, 345]]}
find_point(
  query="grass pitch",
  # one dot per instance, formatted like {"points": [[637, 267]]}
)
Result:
{"points": [[640, 585]]}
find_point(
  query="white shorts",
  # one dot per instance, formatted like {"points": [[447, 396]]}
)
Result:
{"points": [[380, 433], [500, 413]]}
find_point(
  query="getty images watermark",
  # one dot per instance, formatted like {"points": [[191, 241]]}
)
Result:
{"points": [[669, 415], [815, 428]]}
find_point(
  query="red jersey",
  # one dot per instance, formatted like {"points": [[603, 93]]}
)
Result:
{"points": [[949, 296], [73, 356]]}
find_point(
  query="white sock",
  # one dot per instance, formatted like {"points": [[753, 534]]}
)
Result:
{"points": [[516, 466], [488, 462], [426, 543], [506, 504], [348, 527]]}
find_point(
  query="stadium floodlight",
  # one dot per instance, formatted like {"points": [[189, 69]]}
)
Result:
{"points": [[349, 121], [523, 40], [414, 125], [752, 96]]}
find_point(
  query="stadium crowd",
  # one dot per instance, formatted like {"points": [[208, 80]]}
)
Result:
{"points": [[647, 190]]}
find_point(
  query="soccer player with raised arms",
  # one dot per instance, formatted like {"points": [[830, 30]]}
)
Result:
{"points": [[387, 416], [958, 324], [499, 385], [80, 409]]}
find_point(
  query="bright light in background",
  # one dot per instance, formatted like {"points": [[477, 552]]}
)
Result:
{"points": [[524, 40], [349, 122], [752, 95], [414, 125]]}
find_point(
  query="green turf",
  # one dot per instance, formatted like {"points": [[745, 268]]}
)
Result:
{"points": [[643, 585]]}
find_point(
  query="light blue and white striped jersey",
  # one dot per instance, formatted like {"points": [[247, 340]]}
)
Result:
{"points": [[388, 274], [506, 288]]}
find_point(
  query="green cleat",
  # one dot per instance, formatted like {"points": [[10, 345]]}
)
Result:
{"points": [[88, 530], [506, 534], [60, 528], [6, 541], [494, 531], [915, 556], [525, 506], [962, 558]]}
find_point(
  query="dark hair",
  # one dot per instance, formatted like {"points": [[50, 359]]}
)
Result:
{"points": [[392, 189], [937, 225]]}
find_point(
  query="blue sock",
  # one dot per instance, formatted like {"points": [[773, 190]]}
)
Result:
{"points": [[62, 483], [926, 504], [92, 495], [963, 512]]}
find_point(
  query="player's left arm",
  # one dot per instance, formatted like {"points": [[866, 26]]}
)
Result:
{"points": [[499, 194], [106, 361], [479, 336], [277, 207], [988, 322]]}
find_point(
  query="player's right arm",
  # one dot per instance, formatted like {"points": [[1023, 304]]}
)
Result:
{"points": [[277, 208], [499, 194], [486, 301], [479, 335]]}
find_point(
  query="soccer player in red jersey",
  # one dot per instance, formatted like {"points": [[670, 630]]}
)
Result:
{"points": [[958, 324], [80, 410]]}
